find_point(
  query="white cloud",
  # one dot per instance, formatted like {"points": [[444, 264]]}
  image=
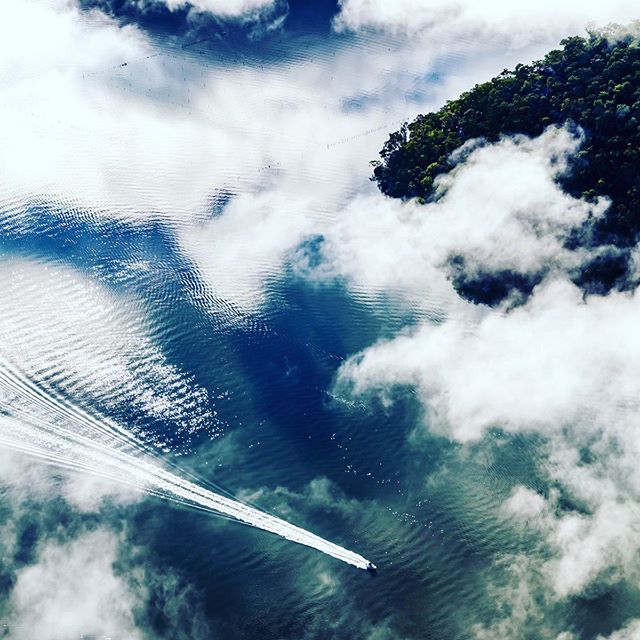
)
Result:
{"points": [[522, 370], [519, 605], [562, 366], [80, 576], [73, 591], [99, 119], [94, 584], [501, 210], [160, 136], [630, 631], [518, 21], [26, 479], [615, 32], [226, 8], [88, 494], [82, 159], [236, 253], [524, 504], [584, 550], [600, 548]]}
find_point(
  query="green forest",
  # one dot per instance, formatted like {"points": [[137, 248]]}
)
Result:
{"points": [[590, 83]]}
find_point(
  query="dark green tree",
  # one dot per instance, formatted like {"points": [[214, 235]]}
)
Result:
{"points": [[590, 83]]}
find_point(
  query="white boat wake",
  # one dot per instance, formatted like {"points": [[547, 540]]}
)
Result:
{"points": [[44, 424]]}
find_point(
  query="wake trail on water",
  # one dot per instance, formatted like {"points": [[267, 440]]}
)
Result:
{"points": [[45, 425]]}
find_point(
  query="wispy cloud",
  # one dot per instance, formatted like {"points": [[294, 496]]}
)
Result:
{"points": [[101, 119], [237, 10], [73, 590], [562, 366], [71, 569], [226, 8], [500, 210], [519, 21]]}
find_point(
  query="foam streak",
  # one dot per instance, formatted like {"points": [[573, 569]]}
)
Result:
{"points": [[50, 428]]}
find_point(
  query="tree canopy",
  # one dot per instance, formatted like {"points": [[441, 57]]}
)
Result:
{"points": [[591, 83]]}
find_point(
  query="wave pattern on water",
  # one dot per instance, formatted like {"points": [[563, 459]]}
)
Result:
{"points": [[48, 428]]}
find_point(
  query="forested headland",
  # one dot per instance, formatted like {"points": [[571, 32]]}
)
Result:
{"points": [[591, 83]]}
